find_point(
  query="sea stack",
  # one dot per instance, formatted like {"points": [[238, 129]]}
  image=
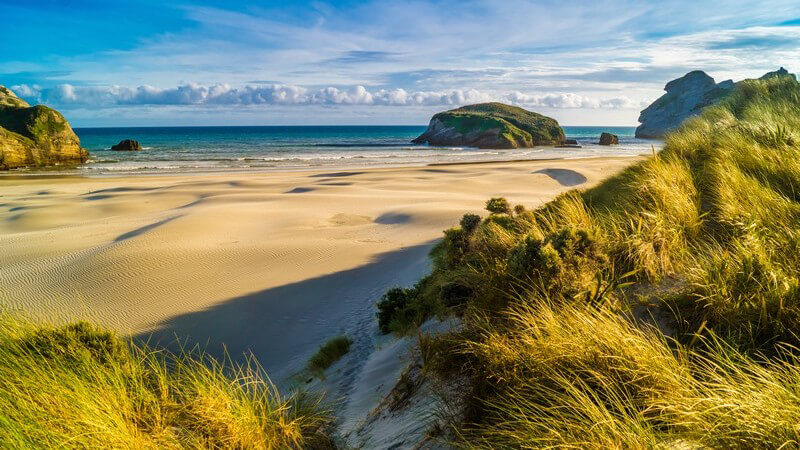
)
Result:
{"points": [[35, 135], [608, 139], [127, 145], [491, 125], [686, 97]]}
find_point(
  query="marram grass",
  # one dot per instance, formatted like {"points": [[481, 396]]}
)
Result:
{"points": [[79, 386], [659, 309], [329, 353]]}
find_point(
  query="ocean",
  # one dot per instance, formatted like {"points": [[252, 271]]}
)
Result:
{"points": [[249, 148]]}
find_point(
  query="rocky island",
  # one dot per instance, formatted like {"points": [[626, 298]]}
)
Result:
{"points": [[687, 96], [129, 145], [35, 135], [491, 125]]}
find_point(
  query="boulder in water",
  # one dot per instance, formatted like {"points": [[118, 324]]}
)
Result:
{"points": [[608, 139], [127, 145]]}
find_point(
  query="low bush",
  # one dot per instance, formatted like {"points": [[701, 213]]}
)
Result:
{"points": [[498, 205], [393, 302], [469, 222]]}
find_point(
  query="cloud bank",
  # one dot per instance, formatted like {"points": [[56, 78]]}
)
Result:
{"points": [[286, 94]]}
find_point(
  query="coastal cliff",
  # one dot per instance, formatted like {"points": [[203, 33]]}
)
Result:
{"points": [[35, 135], [491, 125], [687, 96]]}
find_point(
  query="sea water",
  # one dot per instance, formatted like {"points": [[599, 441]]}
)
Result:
{"points": [[250, 148]]}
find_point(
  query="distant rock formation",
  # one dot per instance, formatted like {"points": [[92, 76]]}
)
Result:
{"points": [[608, 139], [491, 125], [569, 143], [127, 145], [35, 135], [778, 73], [686, 96]]}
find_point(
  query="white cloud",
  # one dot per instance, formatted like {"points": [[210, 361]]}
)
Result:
{"points": [[284, 94], [571, 100]]}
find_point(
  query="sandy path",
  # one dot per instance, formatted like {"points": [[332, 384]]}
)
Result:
{"points": [[273, 263]]}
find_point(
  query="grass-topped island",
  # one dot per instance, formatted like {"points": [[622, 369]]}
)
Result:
{"points": [[491, 125]]}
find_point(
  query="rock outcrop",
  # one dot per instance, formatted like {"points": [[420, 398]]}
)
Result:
{"points": [[491, 125], [686, 96], [127, 145], [608, 139], [35, 135], [778, 73]]}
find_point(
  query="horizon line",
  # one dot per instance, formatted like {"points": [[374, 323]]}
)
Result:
{"points": [[308, 126]]}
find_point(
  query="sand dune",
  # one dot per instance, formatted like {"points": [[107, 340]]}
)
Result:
{"points": [[273, 263]]}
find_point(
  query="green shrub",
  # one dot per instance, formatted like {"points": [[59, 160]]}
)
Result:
{"points": [[391, 304], [498, 205], [534, 258], [455, 294], [561, 263], [469, 222], [451, 251], [504, 220]]}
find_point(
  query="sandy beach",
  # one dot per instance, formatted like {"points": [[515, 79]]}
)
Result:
{"points": [[272, 263]]}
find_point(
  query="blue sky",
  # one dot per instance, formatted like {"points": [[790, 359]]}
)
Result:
{"points": [[104, 63]]}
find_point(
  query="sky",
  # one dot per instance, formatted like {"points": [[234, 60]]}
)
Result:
{"points": [[156, 63]]}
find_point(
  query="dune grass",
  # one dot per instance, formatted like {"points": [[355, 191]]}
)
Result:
{"points": [[329, 353], [80, 386], [554, 339]]}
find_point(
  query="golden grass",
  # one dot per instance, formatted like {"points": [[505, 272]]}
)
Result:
{"points": [[79, 386], [554, 353]]}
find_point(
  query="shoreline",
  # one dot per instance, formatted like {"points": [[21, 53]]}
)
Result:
{"points": [[43, 173]]}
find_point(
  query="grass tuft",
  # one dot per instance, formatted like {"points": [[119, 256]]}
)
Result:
{"points": [[329, 353]]}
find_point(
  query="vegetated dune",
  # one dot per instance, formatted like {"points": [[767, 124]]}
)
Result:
{"points": [[78, 386], [658, 309]]}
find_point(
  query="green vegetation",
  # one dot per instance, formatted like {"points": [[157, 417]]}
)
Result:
{"points": [[38, 123], [329, 353], [493, 125], [538, 129], [498, 205], [79, 386], [10, 100], [658, 309], [35, 136]]}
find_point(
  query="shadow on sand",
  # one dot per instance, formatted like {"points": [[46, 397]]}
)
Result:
{"points": [[564, 177], [285, 325]]}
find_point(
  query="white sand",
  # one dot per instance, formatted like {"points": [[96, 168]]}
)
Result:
{"points": [[273, 263]]}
